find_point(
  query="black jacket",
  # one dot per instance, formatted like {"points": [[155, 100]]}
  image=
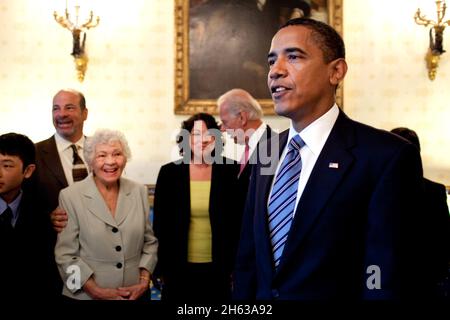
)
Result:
{"points": [[26, 254], [172, 215]]}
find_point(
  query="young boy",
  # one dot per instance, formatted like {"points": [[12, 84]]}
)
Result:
{"points": [[24, 246]]}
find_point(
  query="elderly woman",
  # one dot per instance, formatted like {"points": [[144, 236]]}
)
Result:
{"points": [[107, 250], [196, 216]]}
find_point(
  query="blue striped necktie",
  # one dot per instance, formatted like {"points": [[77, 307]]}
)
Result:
{"points": [[283, 196]]}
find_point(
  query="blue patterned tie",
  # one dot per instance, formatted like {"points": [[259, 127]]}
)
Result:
{"points": [[283, 196]]}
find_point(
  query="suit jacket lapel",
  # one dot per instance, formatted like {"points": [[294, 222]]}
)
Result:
{"points": [[51, 159], [324, 179], [264, 185], [24, 210], [125, 203], [182, 194], [95, 203], [274, 155], [254, 156]]}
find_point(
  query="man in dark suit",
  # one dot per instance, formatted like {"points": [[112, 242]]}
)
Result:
{"points": [[55, 158], [241, 117], [337, 218], [435, 221], [24, 249]]}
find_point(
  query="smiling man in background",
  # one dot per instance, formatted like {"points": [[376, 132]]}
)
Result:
{"points": [[59, 159]]}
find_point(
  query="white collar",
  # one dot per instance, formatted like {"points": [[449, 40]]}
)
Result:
{"points": [[316, 134], [63, 144], [256, 136]]}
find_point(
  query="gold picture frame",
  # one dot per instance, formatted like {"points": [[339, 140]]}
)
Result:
{"points": [[190, 96]]}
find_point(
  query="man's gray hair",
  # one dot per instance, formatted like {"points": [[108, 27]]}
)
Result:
{"points": [[104, 136], [239, 100]]}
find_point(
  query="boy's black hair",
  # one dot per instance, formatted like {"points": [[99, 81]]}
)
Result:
{"points": [[16, 144]]}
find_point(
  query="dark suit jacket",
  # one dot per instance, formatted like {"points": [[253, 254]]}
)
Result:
{"points": [[49, 175], [436, 217], [26, 254], [244, 177], [360, 214], [172, 214], [47, 181]]}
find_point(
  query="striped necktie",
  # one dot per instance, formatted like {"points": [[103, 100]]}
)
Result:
{"points": [[283, 198], [79, 171]]}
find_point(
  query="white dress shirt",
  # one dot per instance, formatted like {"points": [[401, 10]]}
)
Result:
{"points": [[315, 135], [253, 141], [255, 137]]}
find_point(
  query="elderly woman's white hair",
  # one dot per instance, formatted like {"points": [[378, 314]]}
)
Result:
{"points": [[104, 136]]}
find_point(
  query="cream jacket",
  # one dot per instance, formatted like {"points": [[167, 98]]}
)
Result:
{"points": [[110, 249]]}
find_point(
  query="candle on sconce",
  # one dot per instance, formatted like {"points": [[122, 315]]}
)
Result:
{"points": [[436, 32], [77, 23], [71, 4]]}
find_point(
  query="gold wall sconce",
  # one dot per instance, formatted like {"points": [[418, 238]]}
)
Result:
{"points": [[436, 36], [78, 31]]}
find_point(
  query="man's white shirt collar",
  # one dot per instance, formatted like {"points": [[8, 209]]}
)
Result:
{"points": [[63, 144], [254, 138], [316, 134]]}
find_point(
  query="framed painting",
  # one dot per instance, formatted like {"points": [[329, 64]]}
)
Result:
{"points": [[223, 44]]}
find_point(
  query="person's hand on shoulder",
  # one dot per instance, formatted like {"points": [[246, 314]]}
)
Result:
{"points": [[58, 218]]}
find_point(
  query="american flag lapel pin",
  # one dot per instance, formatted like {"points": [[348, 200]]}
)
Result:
{"points": [[333, 165]]}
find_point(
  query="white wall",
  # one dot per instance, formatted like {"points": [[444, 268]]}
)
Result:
{"points": [[129, 81], [387, 83]]}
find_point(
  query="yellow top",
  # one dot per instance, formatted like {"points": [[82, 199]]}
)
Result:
{"points": [[199, 238]]}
